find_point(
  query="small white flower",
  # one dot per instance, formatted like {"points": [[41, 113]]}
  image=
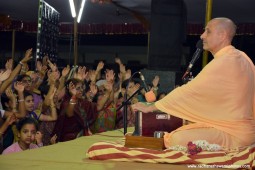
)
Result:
{"points": [[178, 148], [200, 143]]}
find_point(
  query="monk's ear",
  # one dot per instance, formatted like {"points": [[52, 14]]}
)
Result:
{"points": [[223, 35]]}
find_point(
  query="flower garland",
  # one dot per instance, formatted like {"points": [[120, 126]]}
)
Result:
{"points": [[195, 147]]}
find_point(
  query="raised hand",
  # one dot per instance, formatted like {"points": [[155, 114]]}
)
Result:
{"points": [[53, 76], [38, 137], [49, 73], [93, 88], [72, 89], [52, 66], [100, 66], [9, 64], [122, 68], [19, 86], [53, 139], [45, 60], [93, 75], [57, 75], [11, 119], [117, 60], [155, 81], [25, 67], [4, 75], [65, 71], [9, 93], [84, 74], [28, 56], [43, 71], [81, 74], [39, 66]]}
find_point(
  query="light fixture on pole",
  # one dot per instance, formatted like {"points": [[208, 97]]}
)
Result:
{"points": [[72, 8], [80, 11]]}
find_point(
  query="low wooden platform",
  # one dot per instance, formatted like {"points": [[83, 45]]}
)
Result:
{"points": [[144, 142]]}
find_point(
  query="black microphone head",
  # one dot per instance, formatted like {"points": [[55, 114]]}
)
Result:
{"points": [[199, 44]]}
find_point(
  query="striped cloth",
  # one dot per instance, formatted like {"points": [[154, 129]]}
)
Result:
{"points": [[117, 152]]}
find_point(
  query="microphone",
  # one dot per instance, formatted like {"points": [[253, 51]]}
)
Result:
{"points": [[144, 83], [149, 95], [195, 56]]}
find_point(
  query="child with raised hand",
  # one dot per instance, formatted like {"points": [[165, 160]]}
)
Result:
{"points": [[26, 104], [28, 134]]}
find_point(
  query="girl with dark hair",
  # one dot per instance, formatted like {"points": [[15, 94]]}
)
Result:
{"points": [[26, 106], [28, 87], [27, 133]]}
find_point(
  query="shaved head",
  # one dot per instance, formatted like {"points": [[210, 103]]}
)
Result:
{"points": [[228, 25], [219, 33]]}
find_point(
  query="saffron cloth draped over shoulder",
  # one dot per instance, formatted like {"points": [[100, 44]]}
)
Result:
{"points": [[221, 97]]}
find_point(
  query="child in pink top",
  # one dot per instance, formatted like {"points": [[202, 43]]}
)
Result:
{"points": [[27, 133]]}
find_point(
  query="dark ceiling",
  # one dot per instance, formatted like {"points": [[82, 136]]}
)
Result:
{"points": [[241, 11]]}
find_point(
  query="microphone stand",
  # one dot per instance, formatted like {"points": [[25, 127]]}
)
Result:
{"points": [[126, 102]]}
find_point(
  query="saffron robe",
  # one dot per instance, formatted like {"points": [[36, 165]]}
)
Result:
{"points": [[219, 100]]}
